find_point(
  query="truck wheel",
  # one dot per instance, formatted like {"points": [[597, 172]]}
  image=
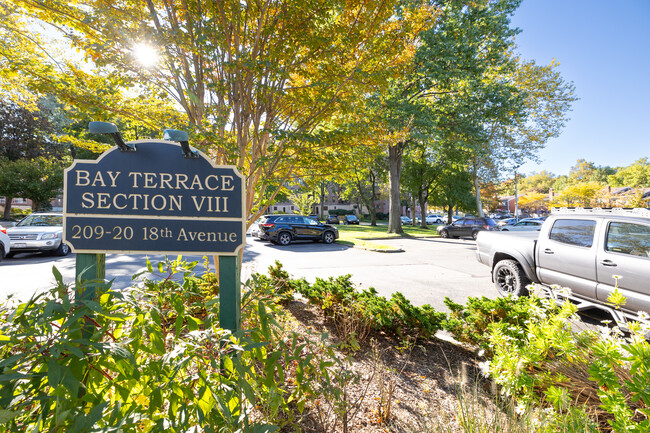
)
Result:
{"points": [[510, 279]]}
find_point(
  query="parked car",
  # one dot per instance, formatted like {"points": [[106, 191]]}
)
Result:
{"points": [[466, 227], [592, 253], [5, 243], [332, 219], [453, 218], [406, 220], [507, 222], [525, 225], [433, 219], [38, 232], [350, 219], [284, 229]]}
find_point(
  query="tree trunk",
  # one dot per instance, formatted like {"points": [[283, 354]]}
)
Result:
{"points": [[479, 205], [413, 211], [423, 212], [394, 172], [372, 210], [322, 200], [7, 213]]}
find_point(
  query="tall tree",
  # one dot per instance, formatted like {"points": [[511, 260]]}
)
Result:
{"points": [[452, 82], [39, 179], [420, 175], [540, 182], [253, 80], [26, 133], [635, 175]]}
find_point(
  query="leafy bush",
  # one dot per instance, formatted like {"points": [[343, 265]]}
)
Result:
{"points": [[341, 300], [472, 322], [154, 359], [583, 378], [340, 212]]}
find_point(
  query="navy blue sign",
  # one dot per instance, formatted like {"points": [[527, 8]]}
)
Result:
{"points": [[153, 200]]}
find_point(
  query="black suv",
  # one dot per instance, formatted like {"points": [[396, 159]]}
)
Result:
{"points": [[469, 226], [283, 229]]}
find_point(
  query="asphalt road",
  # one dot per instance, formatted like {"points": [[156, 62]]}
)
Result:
{"points": [[426, 272]]}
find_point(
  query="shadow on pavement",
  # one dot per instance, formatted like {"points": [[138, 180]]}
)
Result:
{"points": [[32, 259]]}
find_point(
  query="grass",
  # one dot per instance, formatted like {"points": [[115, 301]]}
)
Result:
{"points": [[366, 237]]}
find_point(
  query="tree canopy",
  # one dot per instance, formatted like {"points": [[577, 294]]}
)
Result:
{"points": [[252, 81]]}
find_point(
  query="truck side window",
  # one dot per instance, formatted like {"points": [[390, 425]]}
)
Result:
{"points": [[574, 232], [628, 238]]}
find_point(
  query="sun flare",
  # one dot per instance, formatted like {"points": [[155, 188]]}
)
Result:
{"points": [[145, 54]]}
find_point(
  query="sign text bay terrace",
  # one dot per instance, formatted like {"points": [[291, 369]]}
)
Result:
{"points": [[202, 199], [154, 200]]}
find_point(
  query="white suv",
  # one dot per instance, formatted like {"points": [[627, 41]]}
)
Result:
{"points": [[38, 232], [4, 243]]}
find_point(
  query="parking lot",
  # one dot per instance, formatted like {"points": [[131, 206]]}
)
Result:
{"points": [[427, 271]]}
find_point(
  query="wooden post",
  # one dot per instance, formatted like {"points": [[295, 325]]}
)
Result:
{"points": [[90, 272], [230, 293]]}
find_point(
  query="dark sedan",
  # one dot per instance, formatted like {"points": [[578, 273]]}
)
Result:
{"points": [[467, 227], [350, 219], [284, 229]]}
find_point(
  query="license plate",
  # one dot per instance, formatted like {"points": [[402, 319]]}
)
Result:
{"points": [[21, 245]]}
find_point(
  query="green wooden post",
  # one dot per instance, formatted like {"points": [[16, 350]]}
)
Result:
{"points": [[230, 293], [90, 272]]}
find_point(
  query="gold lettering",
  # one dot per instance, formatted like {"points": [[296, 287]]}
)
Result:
{"points": [[181, 234], [196, 181], [87, 197], [166, 180], [180, 176], [201, 236], [98, 178], [135, 175], [84, 177], [135, 198], [207, 184], [156, 197], [150, 180], [102, 200], [175, 200], [113, 178], [233, 237], [225, 183], [197, 205], [115, 201]]}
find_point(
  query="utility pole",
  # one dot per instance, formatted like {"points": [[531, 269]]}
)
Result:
{"points": [[516, 196]]}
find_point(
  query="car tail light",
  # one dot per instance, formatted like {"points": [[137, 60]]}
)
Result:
{"points": [[268, 225], [3, 230]]}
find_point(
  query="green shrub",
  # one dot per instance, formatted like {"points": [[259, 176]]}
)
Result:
{"points": [[586, 377], [154, 359], [471, 323], [340, 300]]}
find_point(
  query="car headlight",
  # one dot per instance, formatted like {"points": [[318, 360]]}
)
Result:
{"points": [[50, 236]]}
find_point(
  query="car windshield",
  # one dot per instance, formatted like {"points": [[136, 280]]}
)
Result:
{"points": [[41, 220]]}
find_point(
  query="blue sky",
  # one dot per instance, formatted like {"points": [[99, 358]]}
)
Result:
{"points": [[604, 48]]}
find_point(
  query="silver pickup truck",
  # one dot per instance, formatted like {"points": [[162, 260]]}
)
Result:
{"points": [[590, 251]]}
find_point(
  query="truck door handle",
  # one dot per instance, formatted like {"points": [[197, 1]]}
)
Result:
{"points": [[608, 263], [548, 251]]}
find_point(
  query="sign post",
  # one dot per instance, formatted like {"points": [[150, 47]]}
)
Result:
{"points": [[154, 196]]}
